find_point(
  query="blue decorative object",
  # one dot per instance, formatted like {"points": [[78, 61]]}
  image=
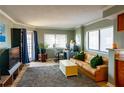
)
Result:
{"points": [[2, 38], [2, 32]]}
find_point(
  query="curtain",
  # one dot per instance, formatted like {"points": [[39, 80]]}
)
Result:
{"points": [[36, 45], [25, 57]]}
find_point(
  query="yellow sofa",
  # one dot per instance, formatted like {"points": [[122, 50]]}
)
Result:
{"points": [[98, 74]]}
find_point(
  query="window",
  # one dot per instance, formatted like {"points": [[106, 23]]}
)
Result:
{"points": [[61, 41], [49, 40], [55, 40], [100, 39], [94, 40], [29, 44], [106, 38]]}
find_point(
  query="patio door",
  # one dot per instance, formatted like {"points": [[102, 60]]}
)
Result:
{"points": [[30, 41]]}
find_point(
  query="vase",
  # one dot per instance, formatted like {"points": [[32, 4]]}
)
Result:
{"points": [[114, 46]]}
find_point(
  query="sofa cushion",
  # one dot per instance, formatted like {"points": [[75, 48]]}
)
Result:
{"points": [[88, 57], [80, 63], [88, 68], [79, 56]]}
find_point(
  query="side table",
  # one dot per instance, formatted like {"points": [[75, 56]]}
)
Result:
{"points": [[42, 57]]}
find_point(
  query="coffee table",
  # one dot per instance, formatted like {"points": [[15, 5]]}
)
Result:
{"points": [[68, 68]]}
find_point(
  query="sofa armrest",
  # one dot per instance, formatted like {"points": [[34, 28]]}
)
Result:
{"points": [[101, 73], [102, 67]]}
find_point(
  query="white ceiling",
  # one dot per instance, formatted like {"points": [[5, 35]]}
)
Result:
{"points": [[59, 16]]}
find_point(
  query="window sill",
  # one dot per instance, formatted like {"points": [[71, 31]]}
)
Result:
{"points": [[96, 51]]}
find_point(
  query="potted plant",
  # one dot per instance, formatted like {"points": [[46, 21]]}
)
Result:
{"points": [[42, 48]]}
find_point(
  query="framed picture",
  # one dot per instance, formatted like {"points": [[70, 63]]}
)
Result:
{"points": [[2, 32]]}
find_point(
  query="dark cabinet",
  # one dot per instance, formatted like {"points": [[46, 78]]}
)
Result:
{"points": [[120, 73], [120, 23]]}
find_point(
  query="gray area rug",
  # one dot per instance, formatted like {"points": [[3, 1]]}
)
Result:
{"points": [[51, 76]]}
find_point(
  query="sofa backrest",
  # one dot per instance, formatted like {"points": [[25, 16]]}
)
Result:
{"points": [[90, 55]]}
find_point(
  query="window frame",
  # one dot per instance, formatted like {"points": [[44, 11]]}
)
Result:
{"points": [[55, 39], [99, 37], [98, 41], [65, 41], [44, 39]]}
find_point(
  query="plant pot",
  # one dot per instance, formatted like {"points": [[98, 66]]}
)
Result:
{"points": [[42, 50]]}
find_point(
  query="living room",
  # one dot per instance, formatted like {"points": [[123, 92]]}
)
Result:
{"points": [[44, 37]]}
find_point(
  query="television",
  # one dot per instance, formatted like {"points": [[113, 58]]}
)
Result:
{"points": [[4, 61], [8, 59]]}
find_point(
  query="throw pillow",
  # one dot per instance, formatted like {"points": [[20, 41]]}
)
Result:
{"points": [[97, 60], [100, 60], [80, 56]]}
